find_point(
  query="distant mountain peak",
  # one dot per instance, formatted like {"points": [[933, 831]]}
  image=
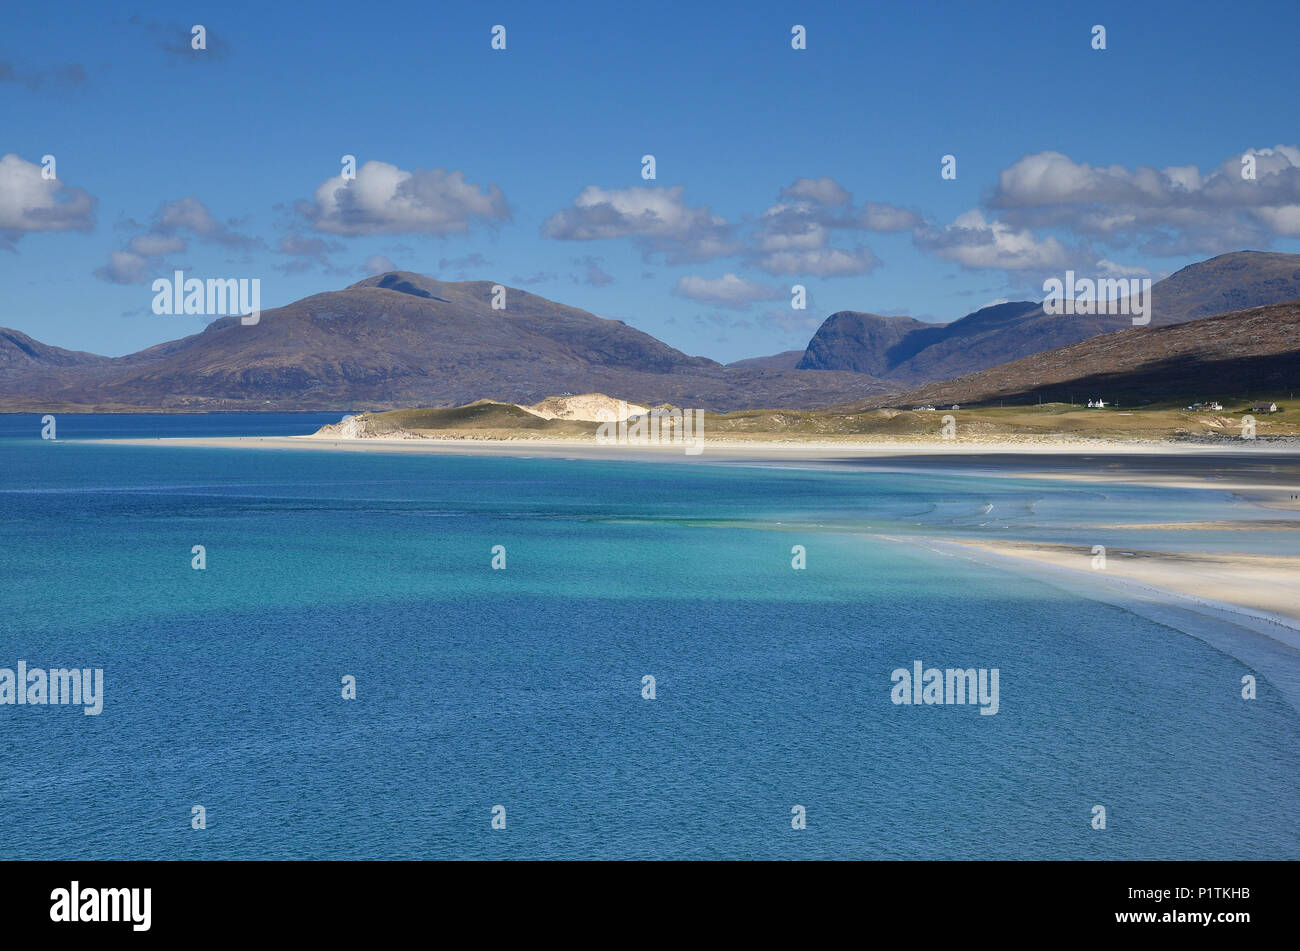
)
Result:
{"points": [[405, 282]]}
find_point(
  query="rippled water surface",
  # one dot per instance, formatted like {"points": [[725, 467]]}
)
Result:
{"points": [[523, 687]]}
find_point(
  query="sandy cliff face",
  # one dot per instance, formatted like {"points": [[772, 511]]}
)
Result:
{"points": [[349, 427], [589, 407]]}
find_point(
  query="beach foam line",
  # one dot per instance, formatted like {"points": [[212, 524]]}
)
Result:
{"points": [[1266, 642]]}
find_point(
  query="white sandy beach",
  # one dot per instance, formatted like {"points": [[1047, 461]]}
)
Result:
{"points": [[1263, 586], [1266, 473], [1242, 605], [757, 450]]}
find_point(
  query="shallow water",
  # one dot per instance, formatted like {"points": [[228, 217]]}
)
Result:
{"points": [[523, 687]]}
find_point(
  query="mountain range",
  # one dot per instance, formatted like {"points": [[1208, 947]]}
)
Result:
{"points": [[401, 339], [1246, 353], [398, 340], [909, 352]]}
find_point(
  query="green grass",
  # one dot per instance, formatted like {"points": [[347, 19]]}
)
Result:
{"points": [[1046, 420]]}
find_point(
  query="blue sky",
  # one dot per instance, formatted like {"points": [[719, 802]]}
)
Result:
{"points": [[775, 166]]}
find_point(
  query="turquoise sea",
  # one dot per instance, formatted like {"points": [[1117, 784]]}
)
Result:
{"points": [[523, 687]]}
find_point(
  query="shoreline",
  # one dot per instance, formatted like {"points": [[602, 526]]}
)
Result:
{"points": [[1241, 603], [750, 448], [1220, 582], [1268, 475], [1248, 628]]}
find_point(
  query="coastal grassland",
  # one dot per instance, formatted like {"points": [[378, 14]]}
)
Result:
{"points": [[487, 419]]}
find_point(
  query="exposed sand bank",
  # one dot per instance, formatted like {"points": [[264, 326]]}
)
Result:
{"points": [[1265, 585], [1242, 605]]}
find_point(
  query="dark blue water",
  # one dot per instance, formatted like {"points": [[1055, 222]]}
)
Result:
{"points": [[158, 425], [522, 687]]}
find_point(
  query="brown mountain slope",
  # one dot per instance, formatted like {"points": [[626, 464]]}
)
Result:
{"points": [[401, 339], [1246, 353], [1229, 282], [910, 352], [785, 360], [19, 352]]}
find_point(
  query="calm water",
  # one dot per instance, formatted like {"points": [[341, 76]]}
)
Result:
{"points": [[478, 687]]}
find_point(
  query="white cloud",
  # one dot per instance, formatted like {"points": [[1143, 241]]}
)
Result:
{"points": [[793, 237], [378, 264], [1108, 268], [298, 245], [790, 228], [820, 262], [824, 190], [876, 216], [726, 291], [974, 242], [125, 267], [155, 244], [1283, 220], [30, 203], [384, 199], [167, 234], [1175, 210], [657, 218], [190, 214]]}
